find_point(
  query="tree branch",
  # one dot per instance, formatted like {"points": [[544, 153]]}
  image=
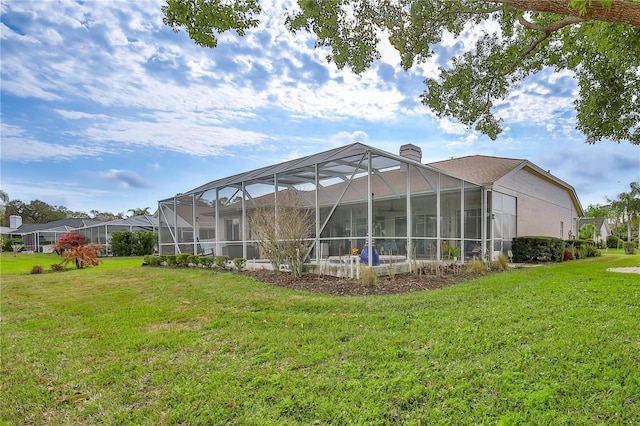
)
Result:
{"points": [[619, 11]]}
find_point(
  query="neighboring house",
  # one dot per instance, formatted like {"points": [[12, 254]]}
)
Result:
{"points": [[601, 230], [526, 200], [5, 231], [39, 237], [361, 195], [100, 233]]}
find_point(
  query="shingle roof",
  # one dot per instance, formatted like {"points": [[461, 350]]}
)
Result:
{"points": [[57, 225], [478, 168]]}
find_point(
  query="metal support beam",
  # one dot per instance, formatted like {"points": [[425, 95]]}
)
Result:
{"points": [[409, 217], [335, 205], [244, 223], [196, 231], [316, 241], [438, 220], [369, 210]]}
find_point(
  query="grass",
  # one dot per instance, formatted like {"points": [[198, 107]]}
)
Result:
{"points": [[118, 344]]}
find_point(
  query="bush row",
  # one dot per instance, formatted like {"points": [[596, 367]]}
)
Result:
{"points": [[126, 243], [545, 249], [189, 260]]}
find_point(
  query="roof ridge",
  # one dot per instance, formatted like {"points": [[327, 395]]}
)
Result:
{"points": [[480, 155]]}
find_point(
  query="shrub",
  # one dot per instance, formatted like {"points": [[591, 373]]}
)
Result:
{"points": [[221, 261], [569, 254], [171, 260], [193, 260], [206, 261], [368, 276], [591, 251], [122, 243], [152, 260], [239, 262], [37, 269], [629, 247], [127, 243], [81, 256], [613, 241], [528, 249], [67, 241], [476, 266], [144, 242], [501, 263], [182, 259], [57, 267], [7, 244]]}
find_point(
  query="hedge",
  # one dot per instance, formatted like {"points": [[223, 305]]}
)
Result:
{"points": [[531, 249]]}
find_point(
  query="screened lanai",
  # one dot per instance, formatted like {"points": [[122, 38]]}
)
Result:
{"points": [[40, 237], [357, 195], [100, 233]]}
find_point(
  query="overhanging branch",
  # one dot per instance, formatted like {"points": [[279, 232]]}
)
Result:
{"points": [[621, 11]]}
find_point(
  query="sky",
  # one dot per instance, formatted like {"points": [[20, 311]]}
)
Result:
{"points": [[105, 108]]}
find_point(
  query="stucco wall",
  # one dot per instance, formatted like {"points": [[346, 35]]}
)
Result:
{"points": [[542, 204]]}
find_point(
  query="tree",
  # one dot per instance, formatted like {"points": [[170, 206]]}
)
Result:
{"points": [[597, 211], [586, 232], [282, 231], [69, 240], [628, 206], [35, 212], [140, 212], [105, 216], [72, 248], [4, 199], [597, 40]]}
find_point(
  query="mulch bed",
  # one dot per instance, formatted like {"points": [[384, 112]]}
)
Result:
{"points": [[400, 283]]}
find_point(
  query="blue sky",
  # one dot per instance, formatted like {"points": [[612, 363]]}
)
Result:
{"points": [[104, 108]]}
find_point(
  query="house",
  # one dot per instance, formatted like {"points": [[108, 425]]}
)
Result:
{"points": [[361, 196], [526, 200], [39, 237], [601, 230]]}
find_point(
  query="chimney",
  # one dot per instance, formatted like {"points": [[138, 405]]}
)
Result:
{"points": [[411, 152], [15, 221]]}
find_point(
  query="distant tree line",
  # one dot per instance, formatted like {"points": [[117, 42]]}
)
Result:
{"points": [[38, 211]]}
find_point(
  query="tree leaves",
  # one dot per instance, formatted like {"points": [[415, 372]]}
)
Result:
{"points": [[203, 19], [598, 40]]}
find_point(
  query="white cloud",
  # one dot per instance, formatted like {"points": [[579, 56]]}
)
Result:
{"points": [[124, 178], [346, 138], [452, 127], [188, 135], [17, 145]]}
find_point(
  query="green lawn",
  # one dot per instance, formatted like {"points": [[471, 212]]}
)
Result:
{"points": [[122, 344]]}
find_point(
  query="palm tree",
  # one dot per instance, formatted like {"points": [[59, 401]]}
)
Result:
{"points": [[628, 204], [140, 212]]}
